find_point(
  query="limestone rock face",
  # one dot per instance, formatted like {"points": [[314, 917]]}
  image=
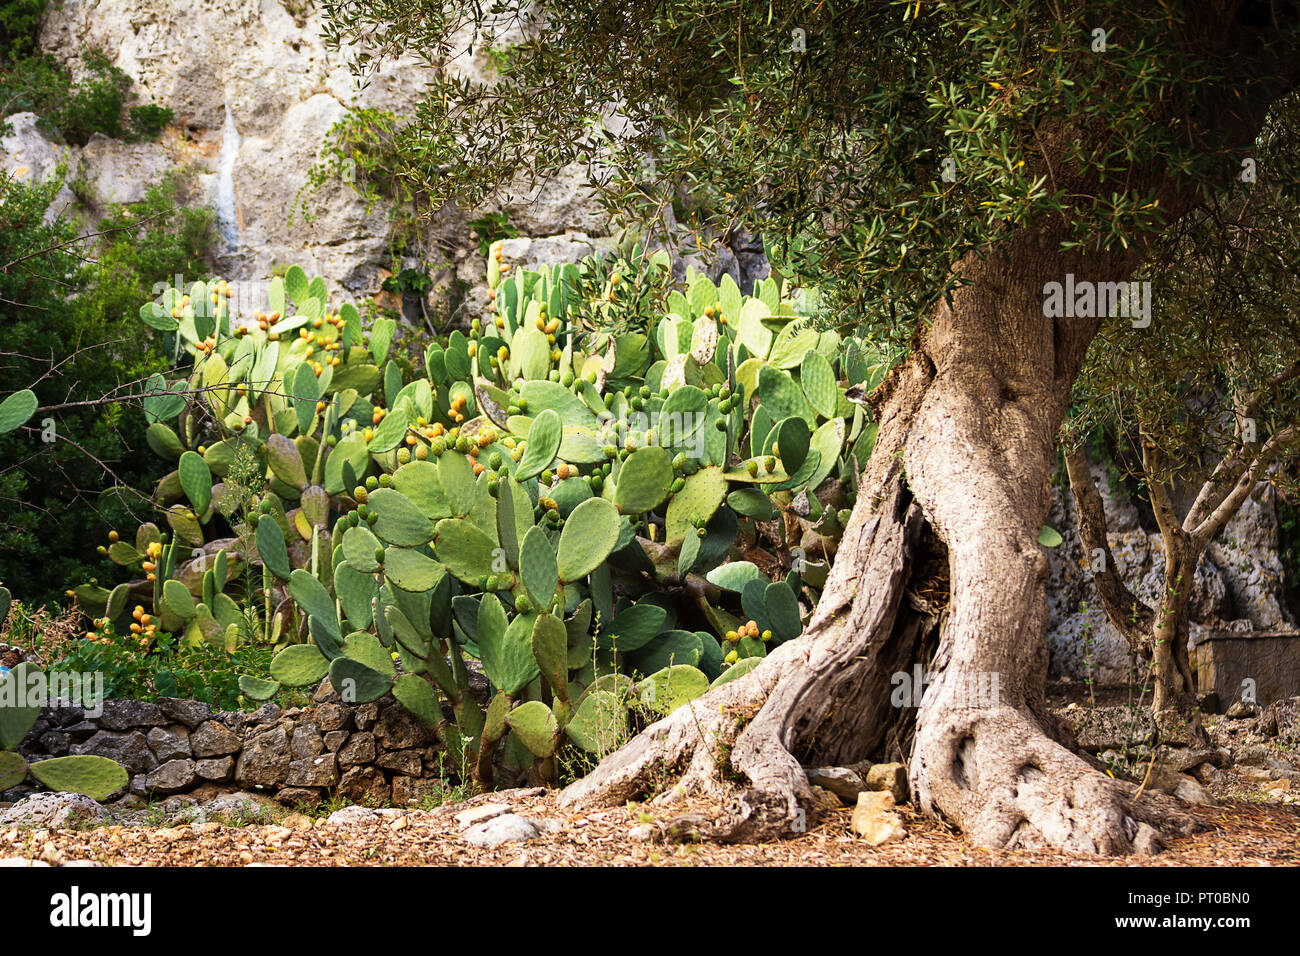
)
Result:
{"points": [[251, 115], [1238, 584]]}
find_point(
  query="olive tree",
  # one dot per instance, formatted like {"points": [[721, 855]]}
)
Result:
{"points": [[1203, 394], [932, 166]]}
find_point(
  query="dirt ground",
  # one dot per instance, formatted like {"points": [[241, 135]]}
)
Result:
{"points": [[1242, 834]]}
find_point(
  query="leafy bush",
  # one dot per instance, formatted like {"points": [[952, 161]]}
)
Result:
{"points": [[79, 347]]}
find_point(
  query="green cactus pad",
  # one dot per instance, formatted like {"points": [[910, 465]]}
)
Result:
{"points": [[285, 461], [315, 601], [736, 670], [783, 396], [668, 649], [164, 442], [417, 696], [13, 770], [550, 643], [96, 777], [827, 441], [682, 415], [494, 721], [599, 725], [356, 591], [359, 549], [456, 475], [16, 720], [255, 688], [806, 471], [734, 575], [16, 409], [542, 395], [196, 481], [543, 442], [751, 503], [465, 550], [405, 632], [590, 534], [644, 480], [419, 482], [782, 611], [633, 628], [176, 598], [507, 653], [666, 690], [356, 683], [364, 648], [695, 503], [790, 439], [299, 665], [537, 567], [819, 386], [398, 521], [411, 570], [536, 726]]}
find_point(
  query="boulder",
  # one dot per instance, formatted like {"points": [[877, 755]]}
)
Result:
{"points": [[874, 819], [52, 811]]}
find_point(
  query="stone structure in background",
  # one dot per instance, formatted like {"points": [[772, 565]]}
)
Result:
{"points": [[1240, 625]]}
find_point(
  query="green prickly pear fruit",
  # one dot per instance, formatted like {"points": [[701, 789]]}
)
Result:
{"points": [[644, 391], [438, 446], [379, 555], [403, 456], [679, 461], [522, 604], [554, 375], [721, 424], [677, 485], [385, 481], [548, 476], [770, 463], [610, 451], [372, 517], [567, 379], [513, 410], [522, 403], [724, 392], [372, 483], [495, 461], [636, 403], [731, 657], [360, 494], [364, 511], [752, 467]]}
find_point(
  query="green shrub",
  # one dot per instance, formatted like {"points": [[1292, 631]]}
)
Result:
{"points": [[74, 324]]}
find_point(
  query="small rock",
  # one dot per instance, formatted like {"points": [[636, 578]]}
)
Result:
{"points": [[481, 814], [360, 749], [175, 776], [364, 785], [841, 781], [331, 717], [402, 761], [352, 815], [214, 740], [1240, 710], [216, 769], [874, 818], [191, 713], [306, 742], [890, 777], [127, 714], [507, 828], [298, 821], [642, 833], [53, 810], [335, 739], [319, 771], [169, 743], [299, 796]]}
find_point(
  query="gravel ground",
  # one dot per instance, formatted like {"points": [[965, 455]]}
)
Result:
{"points": [[1243, 833]]}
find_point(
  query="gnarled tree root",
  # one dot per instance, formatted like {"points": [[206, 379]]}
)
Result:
{"points": [[826, 698]]}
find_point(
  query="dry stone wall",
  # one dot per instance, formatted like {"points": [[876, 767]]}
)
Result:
{"points": [[373, 754]]}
